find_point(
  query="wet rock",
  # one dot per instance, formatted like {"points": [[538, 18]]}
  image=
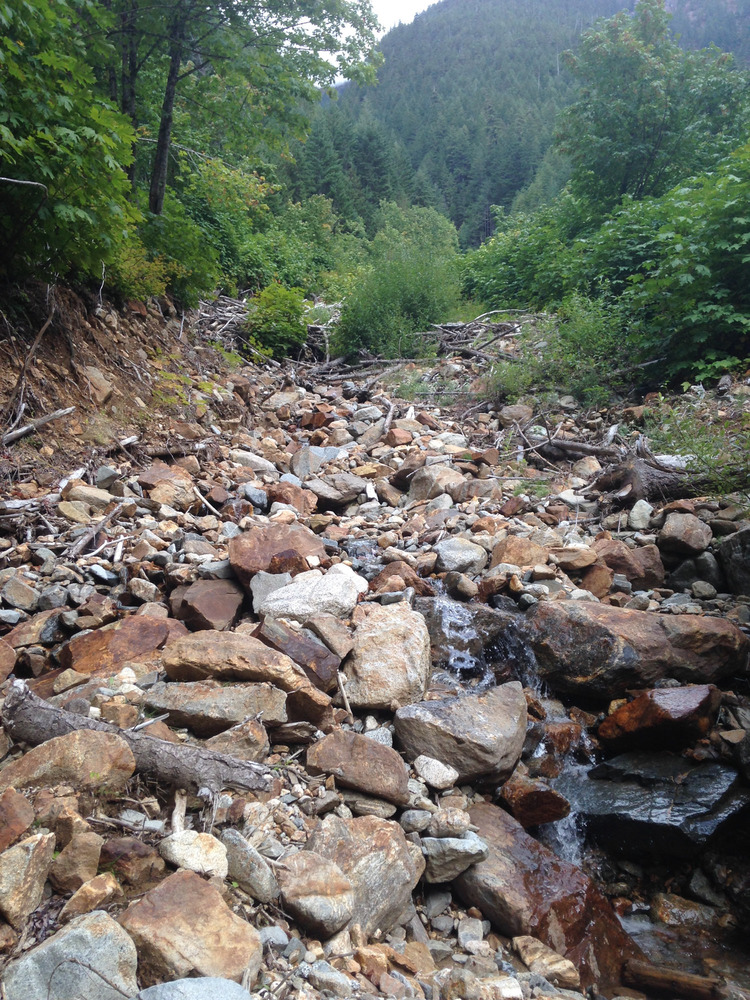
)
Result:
{"points": [[600, 652], [390, 659], [255, 550], [373, 854], [447, 857], [409, 576], [663, 717], [248, 868], [184, 928], [236, 656], [77, 862], [90, 959], [16, 816], [196, 852], [459, 555], [209, 604], [471, 637], [208, 707], [657, 804], [734, 556], [537, 957], [684, 534], [312, 593], [85, 759], [675, 911], [532, 801], [477, 734], [361, 763], [315, 891], [23, 871], [525, 889]]}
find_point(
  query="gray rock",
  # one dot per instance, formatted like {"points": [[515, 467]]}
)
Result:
{"points": [[415, 820], [448, 857], [476, 734], [312, 593], [315, 892], [207, 988], [323, 976], [274, 937], [734, 555], [459, 555], [248, 868], [254, 462], [435, 773], [469, 929], [264, 584], [640, 515], [92, 958]]}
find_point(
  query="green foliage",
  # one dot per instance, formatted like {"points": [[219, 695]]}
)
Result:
{"points": [[582, 351], [410, 282], [277, 321], [59, 136], [133, 274], [190, 263], [649, 112]]}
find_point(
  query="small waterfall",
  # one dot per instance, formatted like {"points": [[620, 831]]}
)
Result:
{"points": [[457, 623]]}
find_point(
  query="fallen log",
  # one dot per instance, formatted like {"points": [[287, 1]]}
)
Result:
{"points": [[34, 425], [640, 479], [30, 719], [671, 982]]}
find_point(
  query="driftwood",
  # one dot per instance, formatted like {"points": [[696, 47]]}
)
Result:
{"points": [[671, 982], [34, 425], [641, 479], [30, 719], [80, 543]]}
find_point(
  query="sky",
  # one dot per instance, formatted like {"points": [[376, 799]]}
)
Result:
{"points": [[390, 12]]}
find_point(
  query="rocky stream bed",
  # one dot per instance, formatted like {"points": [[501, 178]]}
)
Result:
{"points": [[333, 703]]}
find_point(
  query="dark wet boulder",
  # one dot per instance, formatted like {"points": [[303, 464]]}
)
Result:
{"points": [[597, 652], [670, 718], [658, 804], [734, 556]]}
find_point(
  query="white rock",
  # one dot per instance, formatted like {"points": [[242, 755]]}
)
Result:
{"points": [[435, 773], [640, 515], [198, 852], [254, 462], [311, 594], [459, 555]]}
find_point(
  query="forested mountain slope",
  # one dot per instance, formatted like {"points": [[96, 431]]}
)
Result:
{"points": [[466, 104]]}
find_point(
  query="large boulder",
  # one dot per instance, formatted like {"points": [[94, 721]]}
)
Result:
{"points": [[734, 556], [390, 660], [480, 734], [524, 889], [312, 593], [85, 759], [105, 651], [599, 652], [362, 763], [374, 856], [658, 804], [267, 548], [183, 928]]}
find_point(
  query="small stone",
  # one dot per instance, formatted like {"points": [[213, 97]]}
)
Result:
{"points": [[448, 857], [435, 773], [206, 988], [541, 959], [77, 862], [248, 868], [197, 852], [95, 894]]}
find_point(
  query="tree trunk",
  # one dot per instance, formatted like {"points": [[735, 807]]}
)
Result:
{"points": [[32, 720], [161, 159]]}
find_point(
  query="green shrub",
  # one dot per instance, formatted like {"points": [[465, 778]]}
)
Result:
{"points": [[133, 274], [277, 321]]}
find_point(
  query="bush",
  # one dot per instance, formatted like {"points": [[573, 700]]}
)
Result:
{"points": [[134, 274], [277, 321]]}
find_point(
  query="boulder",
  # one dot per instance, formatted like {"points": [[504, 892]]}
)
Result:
{"points": [[132, 861], [538, 958], [90, 959], [85, 759], [16, 816], [169, 484], [599, 652], [390, 659], [95, 894], [361, 763], [209, 604], [658, 805], [734, 556], [255, 550], [663, 717], [380, 584], [236, 656], [431, 481], [518, 552], [104, 652], [641, 566], [77, 862], [184, 928], [374, 856], [300, 645], [470, 638], [23, 872], [315, 891], [532, 801], [459, 555], [524, 889], [209, 707], [312, 593], [247, 741], [478, 734], [248, 868], [684, 534]]}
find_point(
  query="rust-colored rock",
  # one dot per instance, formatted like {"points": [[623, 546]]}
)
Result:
{"points": [[23, 871], [169, 484], [103, 652], [532, 801], [84, 759], [598, 579], [7, 659], [601, 652], [524, 889], [302, 500], [254, 550], [209, 604], [315, 658], [236, 656], [641, 566], [77, 862], [410, 577], [664, 718], [95, 894], [518, 552], [16, 816], [248, 741], [131, 860], [362, 763], [184, 928]]}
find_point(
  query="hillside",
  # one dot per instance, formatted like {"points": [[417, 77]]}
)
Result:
{"points": [[466, 102]]}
